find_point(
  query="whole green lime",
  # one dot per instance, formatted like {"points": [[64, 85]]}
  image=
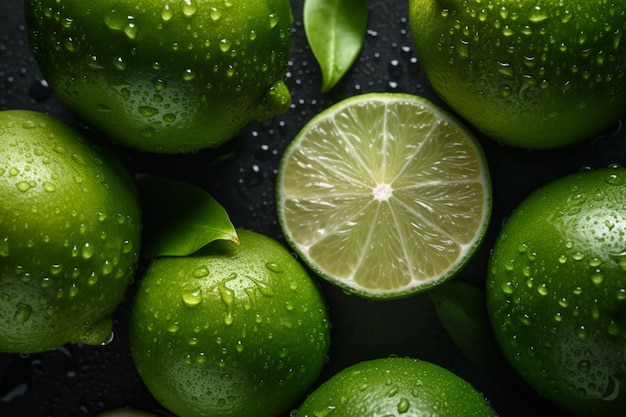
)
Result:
{"points": [[556, 292], [395, 386], [165, 77], [69, 234], [534, 74], [232, 330]]}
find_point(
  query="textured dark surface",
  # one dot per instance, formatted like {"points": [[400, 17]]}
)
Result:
{"points": [[80, 381]]}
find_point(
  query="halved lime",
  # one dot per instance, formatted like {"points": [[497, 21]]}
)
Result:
{"points": [[384, 194]]}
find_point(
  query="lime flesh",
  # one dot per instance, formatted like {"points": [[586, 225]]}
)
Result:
{"points": [[384, 195]]}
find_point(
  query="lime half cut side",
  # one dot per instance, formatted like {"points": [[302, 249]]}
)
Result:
{"points": [[384, 194]]}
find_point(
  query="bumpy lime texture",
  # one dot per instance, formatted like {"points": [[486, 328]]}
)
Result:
{"points": [[165, 76], [229, 331], [535, 74], [557, 291], [395, 387], [69, 234]]}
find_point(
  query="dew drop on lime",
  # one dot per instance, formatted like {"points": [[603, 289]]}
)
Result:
{"points": [[93, 279], [189, 8], [114, 20], [192, 298], [274, 267], [215, 13], [23, 186], [597, 278], [200, 272], [130, 29], [620, 259], [4, 247], [109, 339], [613, 328], [23, 312], [201, 358], [507, 287], [169, 118], [119, 63], [148, 111], [87, 251], [273, 17], [166, 13]]}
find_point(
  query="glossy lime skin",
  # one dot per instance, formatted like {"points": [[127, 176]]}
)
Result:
{"points": [[233, 330], [165, 76], [395, 386], [69, 234], [556, 291], [534, 74]]}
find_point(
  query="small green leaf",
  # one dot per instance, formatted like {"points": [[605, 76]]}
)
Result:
{"points": [[335, 30], [179, 218], [462, 312]]}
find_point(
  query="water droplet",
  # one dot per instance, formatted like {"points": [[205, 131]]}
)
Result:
{"points": [[215, 13], [166, 13], [169, 118], [507, 287], [189, 74], [109, 339], [189, 9], [597, 277], [23, 186], [224, 45], [93, 279], [395, 69], [273, 20], [148, 111], [87, 250], [525, 319], [274, 267], [620, 259], [200, 272], [192, 298], [537, 15], [120, 64], [4, 247], [22, 312], [228, 298], [403, 406]]}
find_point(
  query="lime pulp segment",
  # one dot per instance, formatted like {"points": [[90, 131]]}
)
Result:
{"points": [[384, 194]]}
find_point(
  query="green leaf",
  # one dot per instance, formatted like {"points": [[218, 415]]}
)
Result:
{"points": [[462, 312], [335, 30], [179, 218]]}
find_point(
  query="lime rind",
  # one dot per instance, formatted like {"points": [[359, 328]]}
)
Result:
{"points": [[384, 194]]}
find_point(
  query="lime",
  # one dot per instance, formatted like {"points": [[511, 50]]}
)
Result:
{"points": [[229, 331], [165, 76], [556, 291], [384, 195], [534, 74], [69, 234], [395, 386]]}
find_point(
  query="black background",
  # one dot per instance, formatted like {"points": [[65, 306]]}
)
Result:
{"points": [[80, 381]]}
